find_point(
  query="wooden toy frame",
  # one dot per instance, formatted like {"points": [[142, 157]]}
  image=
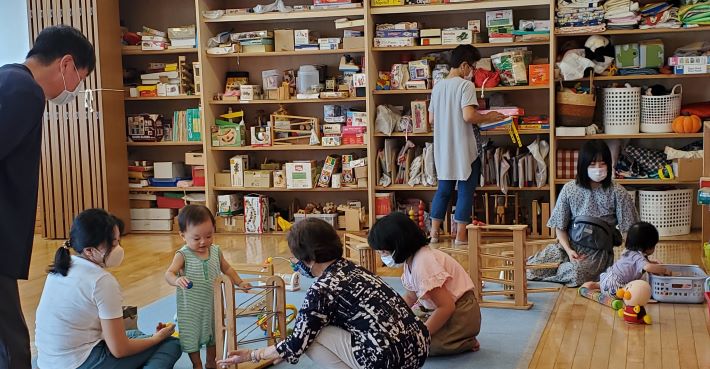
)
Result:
{"points": [[295, 135], [267, 299], [357, 250], [515, 281]]}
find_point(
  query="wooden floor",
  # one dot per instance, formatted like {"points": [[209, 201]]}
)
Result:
{"points": [[579, 334]]}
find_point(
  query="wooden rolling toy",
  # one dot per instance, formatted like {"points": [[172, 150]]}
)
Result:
{"points": [[359, 252], [514, 265], [264, 308]]}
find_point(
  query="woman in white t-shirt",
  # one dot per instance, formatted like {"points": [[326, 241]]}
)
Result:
{"points": [[453, 114], [80, 318]]}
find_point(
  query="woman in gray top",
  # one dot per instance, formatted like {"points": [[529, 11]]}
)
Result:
{"points": [[457, 142], [592, 193]]}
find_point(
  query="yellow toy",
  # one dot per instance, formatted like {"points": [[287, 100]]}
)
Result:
{"points": [[636, 295], [262, 321]]}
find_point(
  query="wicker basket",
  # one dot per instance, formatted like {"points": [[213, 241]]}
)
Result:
{"points": [[669, 211], [658, 112], [622, 110], [576, 110]]}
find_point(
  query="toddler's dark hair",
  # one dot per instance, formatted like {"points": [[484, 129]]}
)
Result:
{"points": [[398, 234], [192, 215], [642, 236]]}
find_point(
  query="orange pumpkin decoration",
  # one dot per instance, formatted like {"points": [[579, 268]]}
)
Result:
{"points": [[686, 124]]}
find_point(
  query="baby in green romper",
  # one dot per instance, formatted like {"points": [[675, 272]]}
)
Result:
{"points": [[193, 271]]}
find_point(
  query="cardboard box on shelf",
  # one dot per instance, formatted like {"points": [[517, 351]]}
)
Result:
{"points": [[237, 165], [420, 116], [234, 224], [456, 37], [194, 158], [301, 174], [198, 175], [157, 214], [350, 43], [687, 169], [222, 179], [257, 178], [168, 169], [352, 219], [227, 205], [329, 167], [279, 178], [151, 225], [141, 204], [256, 214], [283, 39], [228, 134]]}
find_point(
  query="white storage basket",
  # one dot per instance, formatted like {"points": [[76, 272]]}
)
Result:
{"points": [[669, 211], [622, 110], [658, 112]]}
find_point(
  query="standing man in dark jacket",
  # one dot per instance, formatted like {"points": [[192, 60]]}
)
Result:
{"points": [[59, 61]]}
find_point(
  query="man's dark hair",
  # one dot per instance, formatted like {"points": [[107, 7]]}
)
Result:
{"points": [[56, 41], [464, 53]]}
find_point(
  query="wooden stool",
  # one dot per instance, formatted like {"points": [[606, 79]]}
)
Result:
{"points": [[357, 250], [514, 279]]}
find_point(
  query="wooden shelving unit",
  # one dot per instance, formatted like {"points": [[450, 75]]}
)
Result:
{"points": [[292, 148], [289, 53], [652, 31], [136, 50], [456, 14], [159, 98], [694, 90], [538, 99], [289, 101]]}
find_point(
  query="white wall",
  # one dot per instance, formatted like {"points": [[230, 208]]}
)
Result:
{"points": [[14, 36]]}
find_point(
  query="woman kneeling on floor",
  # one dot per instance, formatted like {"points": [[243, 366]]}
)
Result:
{"points": [[434, 280], [593, 194], [350, 318]]}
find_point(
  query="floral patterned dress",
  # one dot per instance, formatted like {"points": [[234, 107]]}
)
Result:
{"points": [[614, 205]]}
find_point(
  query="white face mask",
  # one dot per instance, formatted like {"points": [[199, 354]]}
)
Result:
{"points": [[389, 261], [65, 97], [114, 257], [597, 174]]}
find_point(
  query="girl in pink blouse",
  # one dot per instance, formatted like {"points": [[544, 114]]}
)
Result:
{"points": [[435, 283]]}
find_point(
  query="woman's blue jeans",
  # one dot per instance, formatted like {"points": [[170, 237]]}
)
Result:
{"points": [[464, 200], [161, 356]]}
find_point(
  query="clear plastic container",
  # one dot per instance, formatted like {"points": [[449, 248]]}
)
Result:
{"points": [[271, 79], [307, 80]]}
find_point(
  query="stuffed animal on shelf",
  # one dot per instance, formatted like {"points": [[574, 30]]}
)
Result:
{"points": [[636, 295]]}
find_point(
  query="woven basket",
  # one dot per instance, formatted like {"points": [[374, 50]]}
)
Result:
{"points": [[658, 112], [576, 110], [622, 110]]}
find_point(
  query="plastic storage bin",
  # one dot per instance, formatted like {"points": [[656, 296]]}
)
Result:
{"points": [[308, 79], [669, 211], [331, 219], [685, 286], [658, 112], [622, 110]]}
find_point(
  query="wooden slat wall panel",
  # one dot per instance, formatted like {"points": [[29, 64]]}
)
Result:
{"points": [[83, 154]]}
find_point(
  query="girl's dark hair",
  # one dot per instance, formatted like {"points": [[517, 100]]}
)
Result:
{"points": [[397, 234], [464, 53], [642, 236], [314, 240], [593, 150], [91, 228], [192, 215]]}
